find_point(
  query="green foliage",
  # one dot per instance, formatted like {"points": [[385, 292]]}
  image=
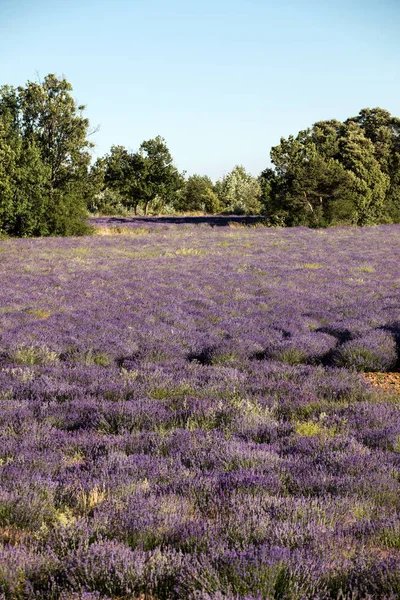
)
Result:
{"points": [[108, 202], [211, 202], [292, 356], [310, 186], [123, 175], [308, 429], [23, 176], [336, 173], [383, 130], [368, 183], [198, 195], [94, 187], [44, 160], [144, 177], [161, 178], [332, 173], [33, 355], [239, 192]]}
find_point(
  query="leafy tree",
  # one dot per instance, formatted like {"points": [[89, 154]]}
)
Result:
{"points": [[368, 183], [271, 197], [378, 126], [108, 202], [95, 184], [145, 176], [383, 130], [311, 185], [331, 173], [211, 201], [198, 195], [124, 174], [47, 133], [161, 178], [99, 197], [23, 178], [239, 192]]}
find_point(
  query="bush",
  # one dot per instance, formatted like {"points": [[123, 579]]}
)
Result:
{"points": [[375, 351], [107, 202]]}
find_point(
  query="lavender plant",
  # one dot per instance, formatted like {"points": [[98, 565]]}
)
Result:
{"points": [[181, 415]]}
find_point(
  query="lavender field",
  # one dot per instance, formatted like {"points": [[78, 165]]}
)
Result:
{"points": [[183, 414]]}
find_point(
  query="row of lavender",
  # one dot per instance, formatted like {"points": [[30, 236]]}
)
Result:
{"points": [[181, 415]]}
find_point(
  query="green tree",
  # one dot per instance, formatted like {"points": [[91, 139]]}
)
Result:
{"points": [[310, 185], [143, 177], [95, 184], [211, 201], [368, 183], [124, 174], [48, 135], [239, 192], [23, 178], [328, 174], [383, 130], [198, 195], [161, 180]]}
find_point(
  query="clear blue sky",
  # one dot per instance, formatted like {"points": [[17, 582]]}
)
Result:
{"points": [[221, 80]]}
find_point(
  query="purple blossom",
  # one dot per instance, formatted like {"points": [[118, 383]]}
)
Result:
{"points": [[181, 415]]}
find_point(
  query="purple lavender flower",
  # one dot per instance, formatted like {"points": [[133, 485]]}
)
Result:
{"points": [[181, 415]]}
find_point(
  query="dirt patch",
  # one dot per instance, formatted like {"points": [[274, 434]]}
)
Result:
{"points": [[390, 382]]}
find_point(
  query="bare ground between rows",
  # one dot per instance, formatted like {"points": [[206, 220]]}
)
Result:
{"points": [[390, 382]]}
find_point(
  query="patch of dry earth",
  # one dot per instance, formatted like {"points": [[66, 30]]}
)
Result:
{"points": [[390, 382]]}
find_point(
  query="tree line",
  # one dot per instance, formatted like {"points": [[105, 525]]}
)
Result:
{"points": [[329, 174]]}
